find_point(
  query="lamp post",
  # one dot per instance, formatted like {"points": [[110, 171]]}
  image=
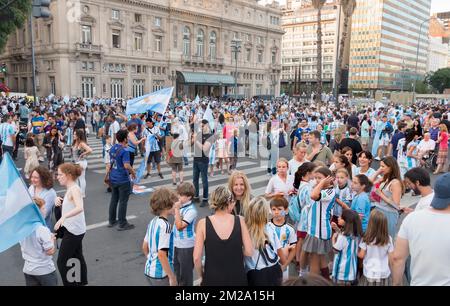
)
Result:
{"points": [[417, 57], [236, 47], [290, 87]]}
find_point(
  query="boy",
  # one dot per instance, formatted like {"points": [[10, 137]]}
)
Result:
{"points": [[184, 235], [37, 250], [285, 232], [107, 158], [158, 239]]}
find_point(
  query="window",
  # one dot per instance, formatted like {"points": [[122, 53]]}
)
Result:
{"points": [[137, 17], [52, 85], [249, 55], [258, 40], [186, 41], [86, 34], [157, 85], [49, 33], [213, 45], [116, 38], [274, 58], [87, 87], [83, 65], [138, 41], [158, 22], [158, 43], [260, 56], [200, 39], [116, 88], [91, 66], [138, 88], [115, 14]]}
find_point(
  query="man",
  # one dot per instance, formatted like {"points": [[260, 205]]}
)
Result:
{"points": [[153, 135], [79, 124], [7, 136], [353, 122], [202, 144], [400, 134], [409, 122], [113, 128], [423, 235], [426, 145], [434, 129], [353, 143], [419, 181], [51, 122], [24, 112], [302, 127], [162, 126], [37, 128], [120, 182], [317, 151]]}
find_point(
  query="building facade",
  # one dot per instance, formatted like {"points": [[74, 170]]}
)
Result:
{"points": [[124, 48], [383, 48], [299, 48]]}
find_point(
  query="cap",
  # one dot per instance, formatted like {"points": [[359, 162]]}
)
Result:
{"points": [[441, 198]]}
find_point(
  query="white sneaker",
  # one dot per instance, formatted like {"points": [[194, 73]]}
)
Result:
{"points": [[377, 158]]}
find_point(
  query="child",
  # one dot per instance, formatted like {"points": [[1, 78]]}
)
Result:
{"points": [[361, 185], [37, 250], [158, 240], [285, 233], [184, 235], [345, 245], [222, 152], [31, 154], [107, 158], [343, 193], [376, 248], [318, 241]]}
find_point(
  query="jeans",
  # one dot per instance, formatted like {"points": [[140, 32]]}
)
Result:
{"points": [[120, 195], [5, 149], [72, 248], [183, 265], [200, 168], [103, 147], [41, 280]]}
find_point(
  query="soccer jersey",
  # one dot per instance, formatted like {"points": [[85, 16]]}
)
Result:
{"points": [[6, 131], [186, 237], [158, 237], [361, 204], [267, 257], [319, 217], [345, 261], [36, 123], [285, 233], [304, 198], [345, 195]]}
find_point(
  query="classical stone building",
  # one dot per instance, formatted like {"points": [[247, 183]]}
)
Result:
{"points": [[126, 48]]}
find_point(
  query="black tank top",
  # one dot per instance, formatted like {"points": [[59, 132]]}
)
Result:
{"points": [[224, 259]]}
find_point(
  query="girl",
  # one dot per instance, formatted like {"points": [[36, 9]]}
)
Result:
{"points": [[240, 188], [72, 224], [222, 152], [341, 162], [343, 193], [303, 176], [53, 143], [365, 159], [361, 185], [31, 154], [280, 184], [81, 150], [318, 241], [345, 245], [407, 152], [348, 152], [443, 148], [376, 250], [133, 142], [263, 266], [41, 186]]}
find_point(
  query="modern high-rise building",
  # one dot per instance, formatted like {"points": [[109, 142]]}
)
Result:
{"points": [[123, 48], [385, 37]]}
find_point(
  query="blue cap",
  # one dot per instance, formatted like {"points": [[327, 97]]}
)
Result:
{"points": [[441, 198]]}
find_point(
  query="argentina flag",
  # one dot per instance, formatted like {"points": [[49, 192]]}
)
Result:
{"points": [[19, 216], [156, 102], [208, 115]]}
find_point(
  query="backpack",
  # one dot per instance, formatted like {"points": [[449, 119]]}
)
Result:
{"points": [[295, 209]]}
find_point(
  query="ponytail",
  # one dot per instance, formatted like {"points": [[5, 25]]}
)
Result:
{"points": [[302, 171]]}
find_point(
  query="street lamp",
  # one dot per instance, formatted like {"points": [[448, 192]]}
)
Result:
{"points": [[290, 87], [236, 48], [417, 56]]}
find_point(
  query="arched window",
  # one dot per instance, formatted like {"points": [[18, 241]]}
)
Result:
{"points": [[213, 45], [200, 41], [186, 41]]}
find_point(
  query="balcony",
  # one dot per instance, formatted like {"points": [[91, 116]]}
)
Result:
{"points": [[88, 48], [201, 60], [276, 67]]}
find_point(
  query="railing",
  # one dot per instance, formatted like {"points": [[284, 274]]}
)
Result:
{"points": [[194, 59], [87, 47]]}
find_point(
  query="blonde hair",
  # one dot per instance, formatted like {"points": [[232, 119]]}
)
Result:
{"points": [[248, 190], [443, 127], [256, 218], [283, 160], [220, 198], [301, 145]]}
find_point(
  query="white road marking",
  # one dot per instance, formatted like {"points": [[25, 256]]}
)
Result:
{"points": [[101, 224]]}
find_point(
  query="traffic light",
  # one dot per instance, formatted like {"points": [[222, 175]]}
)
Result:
{"points": [[3, 68], [41, 8]]}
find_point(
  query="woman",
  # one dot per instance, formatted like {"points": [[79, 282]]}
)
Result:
{"points": [[226, 240], [263, 265], [133, 142], [417, 127], [407, 156], [42, 187], [365, 159], [72, 225], [253, 137], [365, 133], [348, 152], [280, 184], [390, 190], [54, 146], [80, 150], [240, 188], [96, 120], [299, 157], [379, 126], [443, 148]]}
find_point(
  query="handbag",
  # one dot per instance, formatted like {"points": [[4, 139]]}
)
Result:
{"points": [[107, 179], [281, 140]]}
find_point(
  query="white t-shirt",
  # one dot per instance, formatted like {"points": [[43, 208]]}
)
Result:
{"points": [[269, 257], [294, 164], [429, 244], [424, 146], [34, 249], [425, 202], [376, 261], [277, 185], [113, 129]]}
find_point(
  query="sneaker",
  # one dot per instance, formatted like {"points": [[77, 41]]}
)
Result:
{"points": [[204, 204], [196, 199], [377, 158], [127, 226], [113, 224], [146, 175], [161, 176]]}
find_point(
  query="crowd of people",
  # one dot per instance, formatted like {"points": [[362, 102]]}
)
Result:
{"points": [[332, 209]]}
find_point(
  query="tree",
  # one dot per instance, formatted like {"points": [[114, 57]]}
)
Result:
{"points": [[318, 5], [12, 16], [440, 80], [422, 87]]}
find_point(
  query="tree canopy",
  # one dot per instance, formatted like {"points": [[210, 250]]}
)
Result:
{"points": [[440, 80], [13, 16]]}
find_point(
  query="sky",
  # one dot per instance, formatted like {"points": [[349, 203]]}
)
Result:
{"points": [[436, 5]]}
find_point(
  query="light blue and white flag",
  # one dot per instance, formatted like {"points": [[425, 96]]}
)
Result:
{"points": [[196, 100], [156, 102], [208, 115], [50, 97], [19, 216], [66, 99], [140, 172]]}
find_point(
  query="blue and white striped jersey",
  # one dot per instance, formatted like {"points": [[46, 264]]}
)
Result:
{"points": [[268, 257], [158, 237], [319, 221], [285, 233], [343, 194], [304, 198], [345, 261], [186, 237]]}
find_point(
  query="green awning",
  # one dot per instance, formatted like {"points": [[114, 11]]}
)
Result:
{"points": [[202, 78]]}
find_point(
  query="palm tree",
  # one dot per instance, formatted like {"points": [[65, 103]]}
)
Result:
{"points": [[347, 7], [318, 5]]}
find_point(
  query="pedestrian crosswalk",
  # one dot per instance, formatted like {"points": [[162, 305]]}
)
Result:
{"points": [[254, 169]]}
